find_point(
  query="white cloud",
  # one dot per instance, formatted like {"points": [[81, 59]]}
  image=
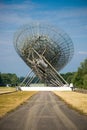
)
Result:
{"points": [[14, 18], [83, 52], [15, 13]]}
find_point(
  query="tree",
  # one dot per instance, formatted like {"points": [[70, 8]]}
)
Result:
{"points": [[1, 82], [80, 77], [14, 80], [9, 78], [84, 67], [85, 81], [68, 76]]}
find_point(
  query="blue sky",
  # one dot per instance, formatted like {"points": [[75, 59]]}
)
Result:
{"points": [[69, 15]]}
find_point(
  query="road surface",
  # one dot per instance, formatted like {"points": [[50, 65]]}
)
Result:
{"points": [[44, 111]]}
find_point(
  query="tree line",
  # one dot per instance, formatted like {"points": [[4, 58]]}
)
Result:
{"points": [[79, 78], [8, 79]]}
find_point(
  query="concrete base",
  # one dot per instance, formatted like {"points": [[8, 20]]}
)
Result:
{"points": [[46, 89]]}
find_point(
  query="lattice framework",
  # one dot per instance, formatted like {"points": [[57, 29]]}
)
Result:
{"points": [[44, 49]]}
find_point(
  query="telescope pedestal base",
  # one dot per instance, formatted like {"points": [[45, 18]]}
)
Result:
{"points": [[45, 88]]}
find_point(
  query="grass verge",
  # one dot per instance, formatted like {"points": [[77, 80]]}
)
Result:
{"points": [[77, 101], [7, 89], [9, 102]]}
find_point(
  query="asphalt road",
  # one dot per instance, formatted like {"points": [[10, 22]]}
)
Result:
{"points": [[44, 111]]}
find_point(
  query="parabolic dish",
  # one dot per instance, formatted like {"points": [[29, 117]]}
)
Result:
{"points": [[37, 41]]}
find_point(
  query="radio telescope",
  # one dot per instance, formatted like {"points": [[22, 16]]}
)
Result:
{"points": [[45, 50]]}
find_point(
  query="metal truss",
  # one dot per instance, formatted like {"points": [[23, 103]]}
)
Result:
{"points": [[45, 50]]}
